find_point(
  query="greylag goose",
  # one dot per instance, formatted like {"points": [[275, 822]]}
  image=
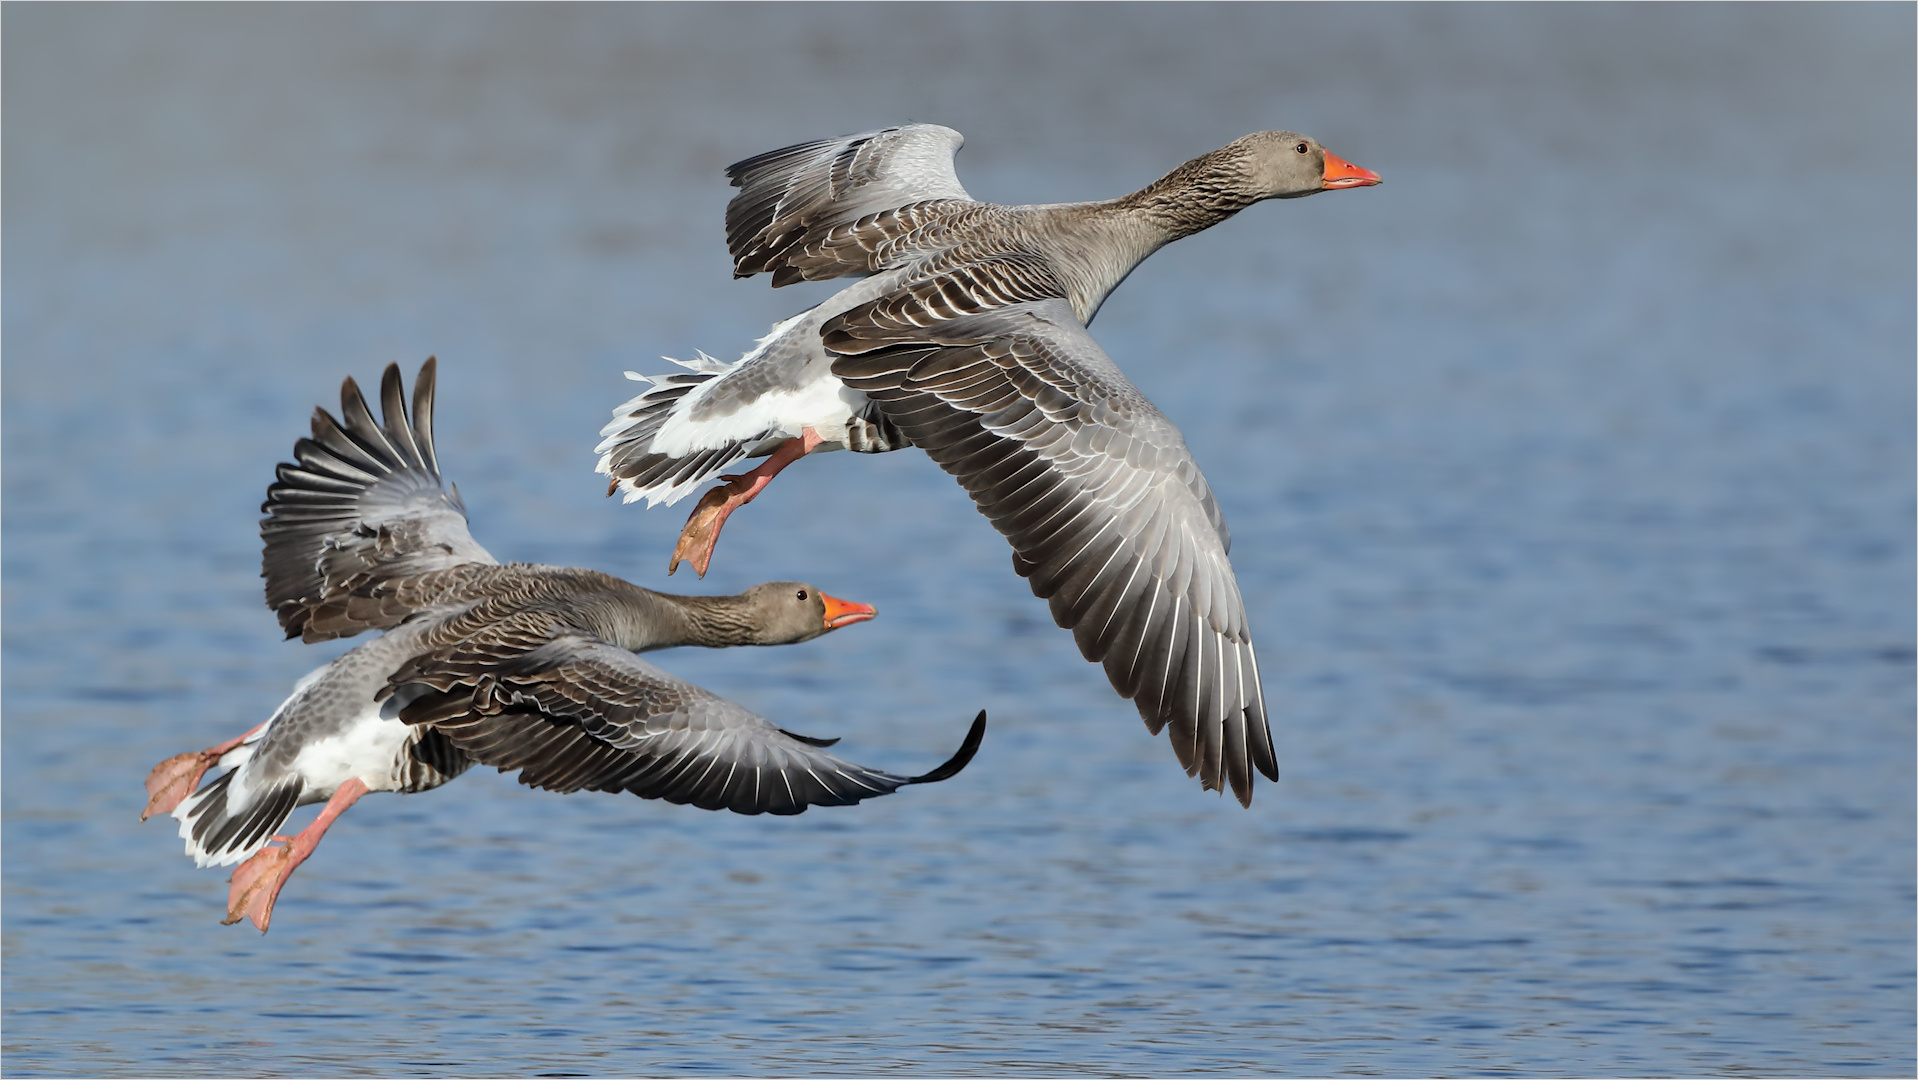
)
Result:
{"points": [[519, 666], [968, 339]]}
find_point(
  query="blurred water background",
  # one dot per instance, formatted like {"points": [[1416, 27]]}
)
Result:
{"points": [[1570, 473]]}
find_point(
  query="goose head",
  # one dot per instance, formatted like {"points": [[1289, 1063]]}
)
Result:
{"points": [[1288, 165], [786, 612], [1212, 187]]}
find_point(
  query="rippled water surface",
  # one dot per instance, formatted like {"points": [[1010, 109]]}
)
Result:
{"points": [[1570, 473]]}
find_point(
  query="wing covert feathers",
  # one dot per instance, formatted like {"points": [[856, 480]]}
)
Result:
{"points": [[939, 294], [362, 504], [571, 712]]}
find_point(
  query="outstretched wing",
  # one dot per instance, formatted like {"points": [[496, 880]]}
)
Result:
{"points": [[571, 711], [792, 197], [1108, 515], [364, 504]]}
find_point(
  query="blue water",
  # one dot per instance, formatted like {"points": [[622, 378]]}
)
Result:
{"points": [[1570, 473]]}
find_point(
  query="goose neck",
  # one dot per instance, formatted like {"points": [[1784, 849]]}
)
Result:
{"points": [[647, 620], [1191, 198], [1106, 241]]}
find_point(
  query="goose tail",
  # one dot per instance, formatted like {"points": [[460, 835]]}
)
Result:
{"points": [[227, 821], [640, 469]]}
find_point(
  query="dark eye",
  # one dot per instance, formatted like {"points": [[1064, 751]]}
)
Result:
{"points": [[1303, 149], [802, 594]]}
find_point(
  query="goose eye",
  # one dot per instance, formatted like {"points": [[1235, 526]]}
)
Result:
{"points": [[802, 594], [1303, 149]]}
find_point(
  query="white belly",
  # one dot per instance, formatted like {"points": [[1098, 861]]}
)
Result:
{"points": [[369, 748], [811, 397], [814, 399], [329, 730]]}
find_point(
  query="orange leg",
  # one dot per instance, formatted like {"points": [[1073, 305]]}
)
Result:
{"points": [[175, 778], [257, 881], [701, 534]]}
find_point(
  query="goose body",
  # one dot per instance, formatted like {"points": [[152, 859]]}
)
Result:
{"points": [[328, 732], [966, 336], [523, 667]]}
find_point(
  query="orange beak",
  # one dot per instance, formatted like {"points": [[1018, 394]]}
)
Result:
{"points": [[1340, 173], [844, 612]]}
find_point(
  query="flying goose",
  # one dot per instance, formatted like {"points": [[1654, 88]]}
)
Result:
{"points": [[518, 666], [968, 339]]}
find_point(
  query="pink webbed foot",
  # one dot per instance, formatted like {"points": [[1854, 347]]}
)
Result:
{"points": [[173, 780], [256, 885], [701, 534], [257, 881]]}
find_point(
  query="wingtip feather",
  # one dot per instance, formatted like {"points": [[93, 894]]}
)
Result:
{"points": [[959, 760]]}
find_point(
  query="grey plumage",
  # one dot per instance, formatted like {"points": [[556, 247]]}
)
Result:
{"points": [[572, 712], [791, 197], [364, 504], [969, 338], [637, 464], [1109, 518], [524, 667]]}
